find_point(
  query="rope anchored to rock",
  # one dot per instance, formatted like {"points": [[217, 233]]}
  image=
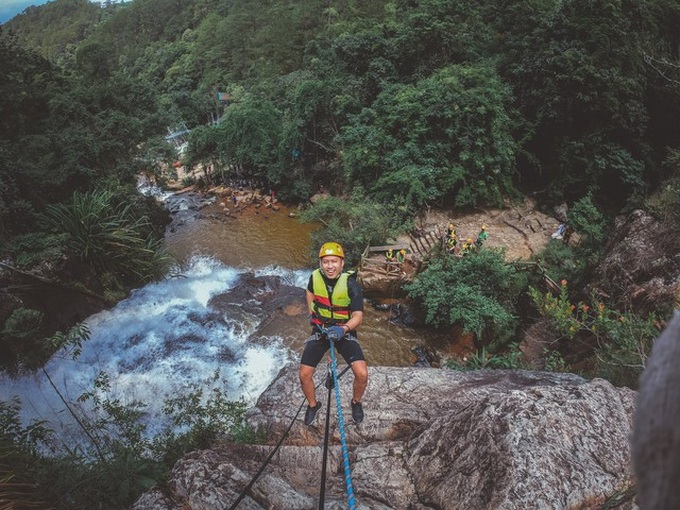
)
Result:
{"points": [[245, 491]]}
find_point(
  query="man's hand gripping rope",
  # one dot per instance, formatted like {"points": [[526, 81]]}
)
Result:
{"points": [[334, 333]]}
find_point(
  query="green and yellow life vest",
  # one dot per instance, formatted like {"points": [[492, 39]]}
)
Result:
{"points": [[332, 309]]}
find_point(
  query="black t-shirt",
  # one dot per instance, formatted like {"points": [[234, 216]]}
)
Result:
{"points": [[356, 295]]}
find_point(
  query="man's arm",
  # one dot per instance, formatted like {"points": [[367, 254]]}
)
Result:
{"points": [[356, 315], [354, 321]]}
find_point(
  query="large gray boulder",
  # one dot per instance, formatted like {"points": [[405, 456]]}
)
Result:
{"points": [[640, 269], [431, 439]]}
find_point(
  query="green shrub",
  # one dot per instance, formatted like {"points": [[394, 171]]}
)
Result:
{"points": [[105, 234], [29, 250], [623, 340], [479, 292], [18, 453], [21, 340], [667, 207], [23, 324], [122, 460], [562, 262], [355, 224], [666, 204], [588, 221], [622, 354], [554, 362]]}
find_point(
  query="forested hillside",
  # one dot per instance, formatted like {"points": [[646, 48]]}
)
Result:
{"points": [[431, 102], [394, 107], [401, 104]]}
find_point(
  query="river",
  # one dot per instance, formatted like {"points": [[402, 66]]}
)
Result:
{"points": [[164, 340]]}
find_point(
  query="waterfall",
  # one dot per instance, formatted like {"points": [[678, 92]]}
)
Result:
{"points": [[157, 343]]}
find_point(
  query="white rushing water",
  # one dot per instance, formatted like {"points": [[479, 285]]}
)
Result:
{"points": [[159, 343]]}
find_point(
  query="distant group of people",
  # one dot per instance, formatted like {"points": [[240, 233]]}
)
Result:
{"points": [[399, 257], [468, 246], [394, 259], [242, 184]]}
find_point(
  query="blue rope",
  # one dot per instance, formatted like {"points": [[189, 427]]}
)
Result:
{"points": [[341, 425]]}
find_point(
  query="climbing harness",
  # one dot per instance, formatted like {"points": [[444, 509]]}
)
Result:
{"points": [[278, 445]]}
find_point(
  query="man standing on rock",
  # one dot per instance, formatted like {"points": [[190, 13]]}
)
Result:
{"points": [[335, 301]]}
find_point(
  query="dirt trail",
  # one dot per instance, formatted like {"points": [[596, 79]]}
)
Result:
{"points": [[521, 229]]}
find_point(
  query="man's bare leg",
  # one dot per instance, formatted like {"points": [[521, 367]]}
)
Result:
{"points": [[360, 371], [307, 383]]}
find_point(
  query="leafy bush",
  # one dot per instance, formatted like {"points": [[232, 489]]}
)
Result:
{"points": [[479, 292], [21, 340], [29, 438], [18, 445], [355, 224], [588, 221], [29, 250], [121, 461], [666, 205], [623, 340], [554, 362], [201, 422], [563, 262]]}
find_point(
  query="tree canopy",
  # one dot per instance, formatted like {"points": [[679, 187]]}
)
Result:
{"points": [[451, 103]]}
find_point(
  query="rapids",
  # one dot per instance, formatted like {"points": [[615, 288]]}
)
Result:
{"points": [[164, 339]]}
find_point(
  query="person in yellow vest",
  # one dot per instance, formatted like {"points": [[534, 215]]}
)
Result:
{"points": [[389, 258], [467, 247], [451, 243], [336, 306]]}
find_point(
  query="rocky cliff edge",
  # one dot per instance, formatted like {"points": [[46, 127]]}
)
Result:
{"points": [[431, 439]]}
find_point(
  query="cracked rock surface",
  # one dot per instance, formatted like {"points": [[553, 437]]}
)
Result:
{"points": [[431, 439]]}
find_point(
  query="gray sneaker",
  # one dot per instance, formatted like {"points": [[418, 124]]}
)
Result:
{"points": [[310, 414], [357, 412]]}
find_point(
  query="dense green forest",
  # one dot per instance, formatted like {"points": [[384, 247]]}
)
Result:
{"points": [[427, 103], [397, 106], [406, 105]]}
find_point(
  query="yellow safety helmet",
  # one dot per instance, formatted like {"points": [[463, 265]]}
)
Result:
{"points": [[331, 249], [483, 227], [403, 252], [469, 240]]}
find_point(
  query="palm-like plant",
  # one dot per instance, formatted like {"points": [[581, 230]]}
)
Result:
{"points": [[106, 235]]}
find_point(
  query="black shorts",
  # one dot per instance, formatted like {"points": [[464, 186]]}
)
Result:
{"points": [[317, 345]]}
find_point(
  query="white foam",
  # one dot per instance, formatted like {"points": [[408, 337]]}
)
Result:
{"points": [[156, 344]]}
